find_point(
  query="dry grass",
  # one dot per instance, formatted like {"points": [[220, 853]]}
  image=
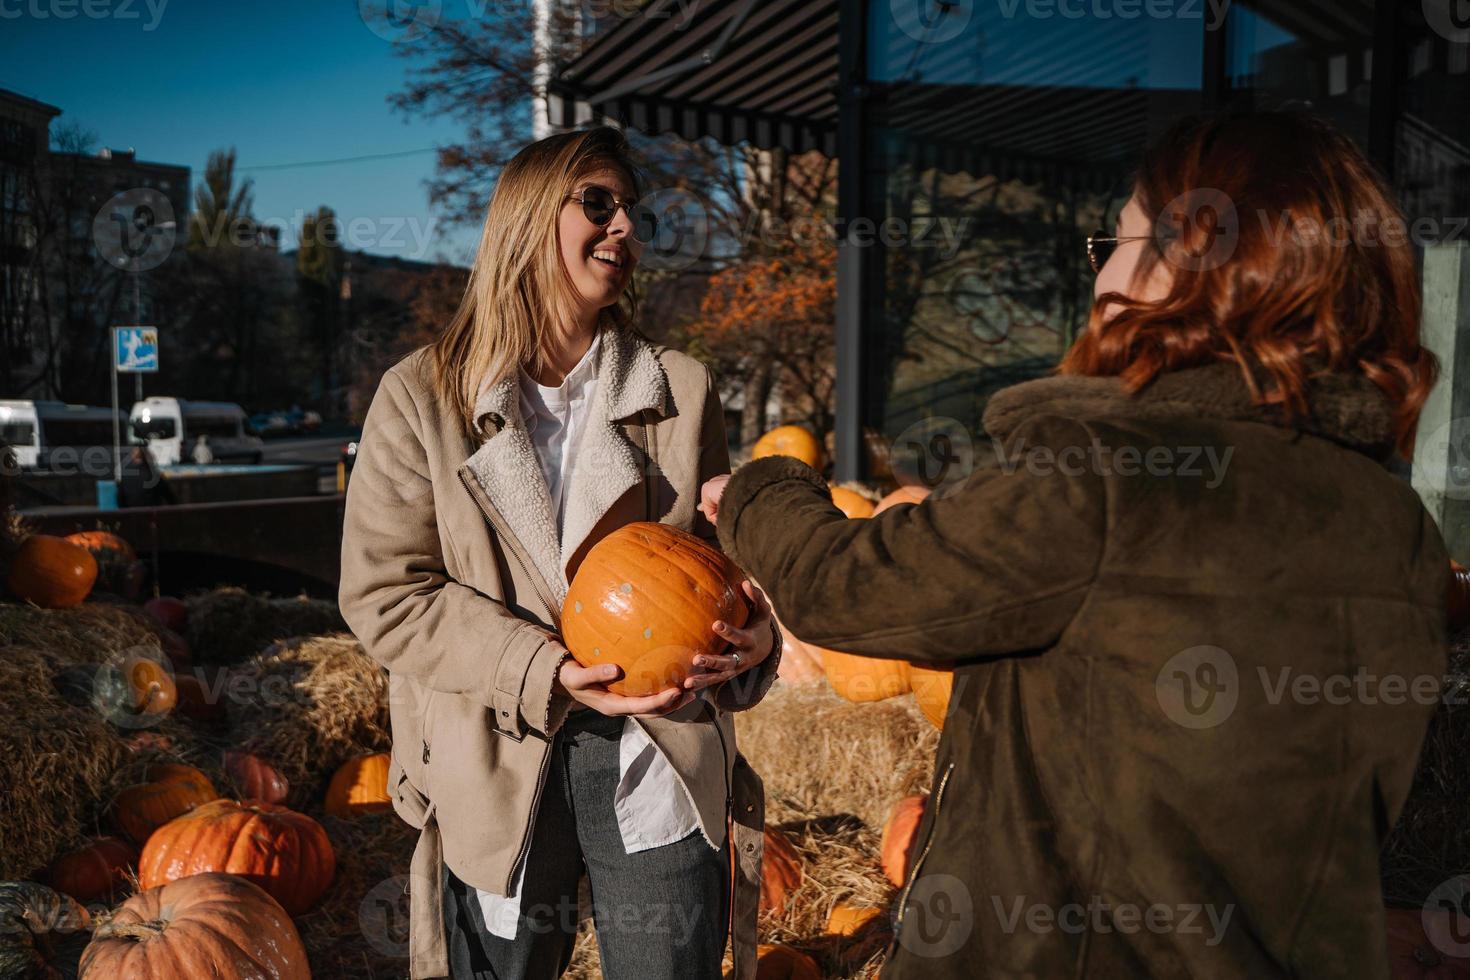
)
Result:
{"points": [[87, 634], [307, 705], [229, 625]]}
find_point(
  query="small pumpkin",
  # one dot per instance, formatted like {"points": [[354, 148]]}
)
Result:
{"points": [[1412, 955], [900, 834], [172, 789], [195, 701], [206, 925], [777, 961], [906, 494], [360, 786], [42, 931], [645, 598], [780, 872], [851, 503], [932, 686], [864, 678], [789, 440], [254, 778], [136, 689], [96, 872], [170, 613], [104, 545], [849, 920], [285, 852], [52, 572]]}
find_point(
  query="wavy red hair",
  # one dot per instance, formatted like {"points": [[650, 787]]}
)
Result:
{"points": [[1294, 297]]}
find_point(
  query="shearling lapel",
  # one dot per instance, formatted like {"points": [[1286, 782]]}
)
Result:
{"points": [[605, 466]]}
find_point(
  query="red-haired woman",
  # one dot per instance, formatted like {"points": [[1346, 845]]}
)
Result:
{"points": [[1198, 625]]}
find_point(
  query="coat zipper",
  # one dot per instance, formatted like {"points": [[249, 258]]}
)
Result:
{"points": [[918, 864], [538, 583]]}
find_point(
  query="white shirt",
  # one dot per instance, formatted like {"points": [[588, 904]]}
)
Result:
{"points": [[652, 807]]}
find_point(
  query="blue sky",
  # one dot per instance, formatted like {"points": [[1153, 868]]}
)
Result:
{"points": [[281, 82]]}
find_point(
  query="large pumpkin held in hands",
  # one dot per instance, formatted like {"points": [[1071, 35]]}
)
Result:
{"points": [[851, 503], [906, 494], [52, 572], [789, 440], [207, 925], [285, 852], [645, 598]]}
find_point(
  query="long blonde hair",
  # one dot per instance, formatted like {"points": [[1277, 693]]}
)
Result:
{"points": [[519, 285]]}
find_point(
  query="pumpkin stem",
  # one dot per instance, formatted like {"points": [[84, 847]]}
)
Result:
{"points": [[140, 931]]}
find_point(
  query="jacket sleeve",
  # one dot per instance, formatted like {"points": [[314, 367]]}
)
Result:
{"points": [[400, 601], [744, 690], [998, 565]]}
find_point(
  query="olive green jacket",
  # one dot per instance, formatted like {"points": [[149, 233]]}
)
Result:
{"points": [[1198, 649]]}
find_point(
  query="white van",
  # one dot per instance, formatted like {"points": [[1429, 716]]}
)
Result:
{"points": [[43, 432], [172, 426]]}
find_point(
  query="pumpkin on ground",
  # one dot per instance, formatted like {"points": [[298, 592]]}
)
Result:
{"points": [[789, 440], [780, 872], [864, 678], [932, 686], [207, 925], [851, 503], [360, 786], [254, 778], [644, 598], [52, 572], [171, 790], [285, 852], [906, 494], [776, 961], [170, 613], [849, 920], [118, 569], [799, 665], [41, 931], [96, 872], [900, 833], [103, 544], [1413, 955], [195, 701]]}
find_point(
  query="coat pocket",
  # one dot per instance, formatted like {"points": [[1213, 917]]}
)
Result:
{"points": [[410, 712]]}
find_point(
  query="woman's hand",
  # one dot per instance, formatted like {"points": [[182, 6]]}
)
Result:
{"points": [[709, 499], [588, 685], [750, 646]]}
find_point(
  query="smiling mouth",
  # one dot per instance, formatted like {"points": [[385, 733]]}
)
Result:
{"points": [[609, 259]]}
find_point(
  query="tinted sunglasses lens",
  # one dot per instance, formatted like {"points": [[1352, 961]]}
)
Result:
{"points": [[597, 205], [1099, 250], [645, 223]]}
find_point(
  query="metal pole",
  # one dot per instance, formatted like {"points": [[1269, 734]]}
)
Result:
{"points": [[116, 427]]}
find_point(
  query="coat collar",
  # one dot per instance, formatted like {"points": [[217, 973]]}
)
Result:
{"points": [[1345, 408], [630, 380]]}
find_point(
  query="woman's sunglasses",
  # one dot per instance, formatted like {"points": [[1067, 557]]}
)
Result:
{"points": [[599, 205], [1101, 246]]}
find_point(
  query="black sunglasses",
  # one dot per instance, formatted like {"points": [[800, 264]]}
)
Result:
{"points": [[1101, 246], [599, 205]]}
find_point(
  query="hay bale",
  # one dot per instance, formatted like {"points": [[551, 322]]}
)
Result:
{"points": [[307, 705], [85, 634], [55, 762], [228, 625]]}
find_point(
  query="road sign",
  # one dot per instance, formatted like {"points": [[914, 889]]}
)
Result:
{"points": [[135, 349]]}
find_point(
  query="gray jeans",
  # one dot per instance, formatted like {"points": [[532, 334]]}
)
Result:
{"points": [[661, 914]]}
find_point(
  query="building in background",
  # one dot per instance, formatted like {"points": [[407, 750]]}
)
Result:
{"points": [[24, 125]]}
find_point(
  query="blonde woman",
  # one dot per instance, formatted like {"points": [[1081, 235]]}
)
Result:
{"points": [[491, 461]]}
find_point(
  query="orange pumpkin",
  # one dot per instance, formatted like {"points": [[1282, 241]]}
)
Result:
{"points": [[151, 686], [906, 494], [932, 686], [172, 789], [864, 678], [1412, 955], [52, 572], [104, 544], [774, 961], [95, 872], [285, 852], [849, 920], [789, 440], [255, 778], [900, 834], [207, 925], [169, 612], [780, 872], [851, 503], [195, 701], [799, 665], [359, 786], [645, 598]]}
